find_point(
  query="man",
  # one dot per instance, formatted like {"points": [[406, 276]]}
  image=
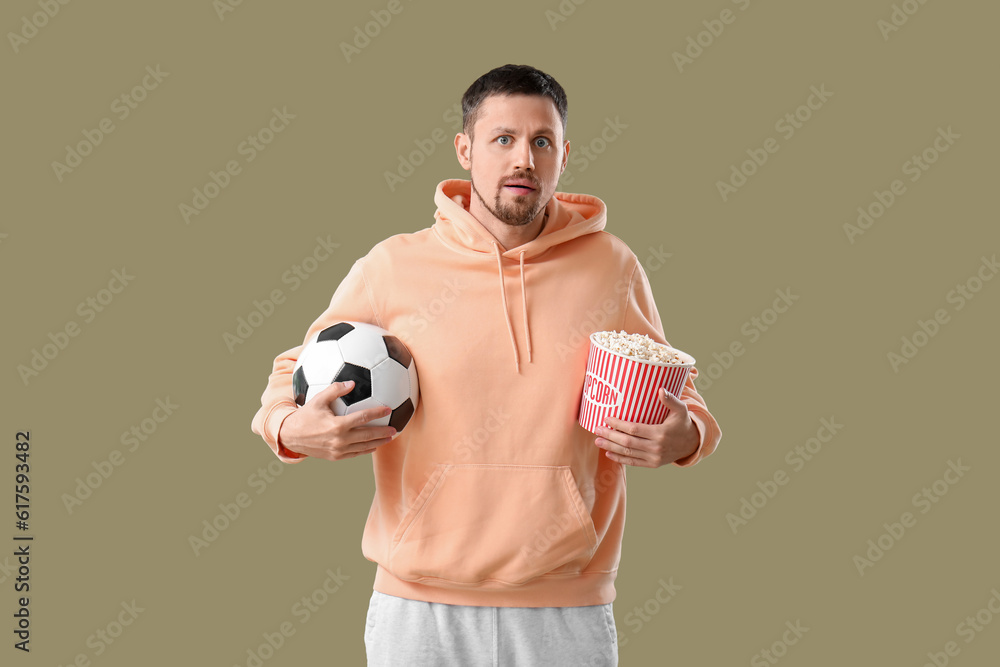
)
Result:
{"points": [[497, 520]]}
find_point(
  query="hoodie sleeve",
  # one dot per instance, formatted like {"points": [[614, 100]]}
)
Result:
{"points": [[352, 302], [642, 317]]}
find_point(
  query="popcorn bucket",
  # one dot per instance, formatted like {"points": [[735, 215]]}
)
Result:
{"points": [[626, 388]]}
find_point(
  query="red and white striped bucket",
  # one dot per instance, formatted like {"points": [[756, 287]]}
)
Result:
{"points": [[626, 388]]}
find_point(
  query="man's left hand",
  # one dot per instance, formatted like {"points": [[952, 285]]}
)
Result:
{"points": [[651, 445]]}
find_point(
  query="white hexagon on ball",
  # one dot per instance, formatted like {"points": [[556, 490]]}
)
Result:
{"points": [[390, 382], [364, 346], [321, 361]]}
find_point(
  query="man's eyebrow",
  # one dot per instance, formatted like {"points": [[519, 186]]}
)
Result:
{"points": [[511, 131]]}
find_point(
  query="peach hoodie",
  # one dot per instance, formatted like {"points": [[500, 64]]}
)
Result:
{"points": [[493, 495]]}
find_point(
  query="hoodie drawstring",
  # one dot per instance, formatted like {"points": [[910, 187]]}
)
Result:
{"points": [[524, 307]]}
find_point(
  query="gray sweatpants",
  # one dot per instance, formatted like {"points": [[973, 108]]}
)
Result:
{"points": [[412, 633]]}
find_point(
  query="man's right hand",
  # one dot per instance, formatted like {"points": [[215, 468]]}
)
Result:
{"points": [[314, 430]]}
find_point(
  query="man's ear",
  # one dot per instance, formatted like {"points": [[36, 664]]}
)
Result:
{"points": [[462, 148]]}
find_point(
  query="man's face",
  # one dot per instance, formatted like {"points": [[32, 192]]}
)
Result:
{"points": [[517, 138]]}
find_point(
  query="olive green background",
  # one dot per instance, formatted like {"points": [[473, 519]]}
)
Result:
{"points": [[324, 176]]}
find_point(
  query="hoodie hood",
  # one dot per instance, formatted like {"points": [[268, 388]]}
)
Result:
{"points": [[567, 216]]}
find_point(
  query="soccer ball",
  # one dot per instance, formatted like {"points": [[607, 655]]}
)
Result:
{"points": [[383, 371]]}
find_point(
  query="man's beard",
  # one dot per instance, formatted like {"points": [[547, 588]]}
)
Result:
{"points": [[513, 214]]}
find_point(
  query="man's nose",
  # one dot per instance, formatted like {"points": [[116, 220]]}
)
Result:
{"points": [[524, 158]]}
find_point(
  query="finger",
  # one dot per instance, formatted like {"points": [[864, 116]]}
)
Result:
{"points": [[629, 461], [378, 433], [622, 453], [359, 419], [334, 391], [621, 446], [623, 429], [366, 432], [366, 447], [351, 455], [678, 408], [670, 400]]}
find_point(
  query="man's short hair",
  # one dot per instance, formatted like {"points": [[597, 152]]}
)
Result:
{"points": [[511, 80]]}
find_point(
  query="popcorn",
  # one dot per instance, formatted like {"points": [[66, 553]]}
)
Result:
{"points": [[624, 375], [637, 346]]}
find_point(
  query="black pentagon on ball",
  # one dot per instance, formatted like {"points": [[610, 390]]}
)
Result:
{"points": [[362, 383], [336, 332], [401, 415], [397, 350], [299, 386]]}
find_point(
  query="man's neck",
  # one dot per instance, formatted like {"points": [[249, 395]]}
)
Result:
{"points": [[512, 237]]}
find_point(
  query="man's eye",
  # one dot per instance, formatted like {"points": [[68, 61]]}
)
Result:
{"points": [[505, 140]]}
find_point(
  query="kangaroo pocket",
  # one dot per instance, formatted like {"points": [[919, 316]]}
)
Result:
{"points": [[477, 523]]}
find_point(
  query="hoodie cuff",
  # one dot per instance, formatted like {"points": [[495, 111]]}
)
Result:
{"points": [[693, 458], [272, 430]]}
